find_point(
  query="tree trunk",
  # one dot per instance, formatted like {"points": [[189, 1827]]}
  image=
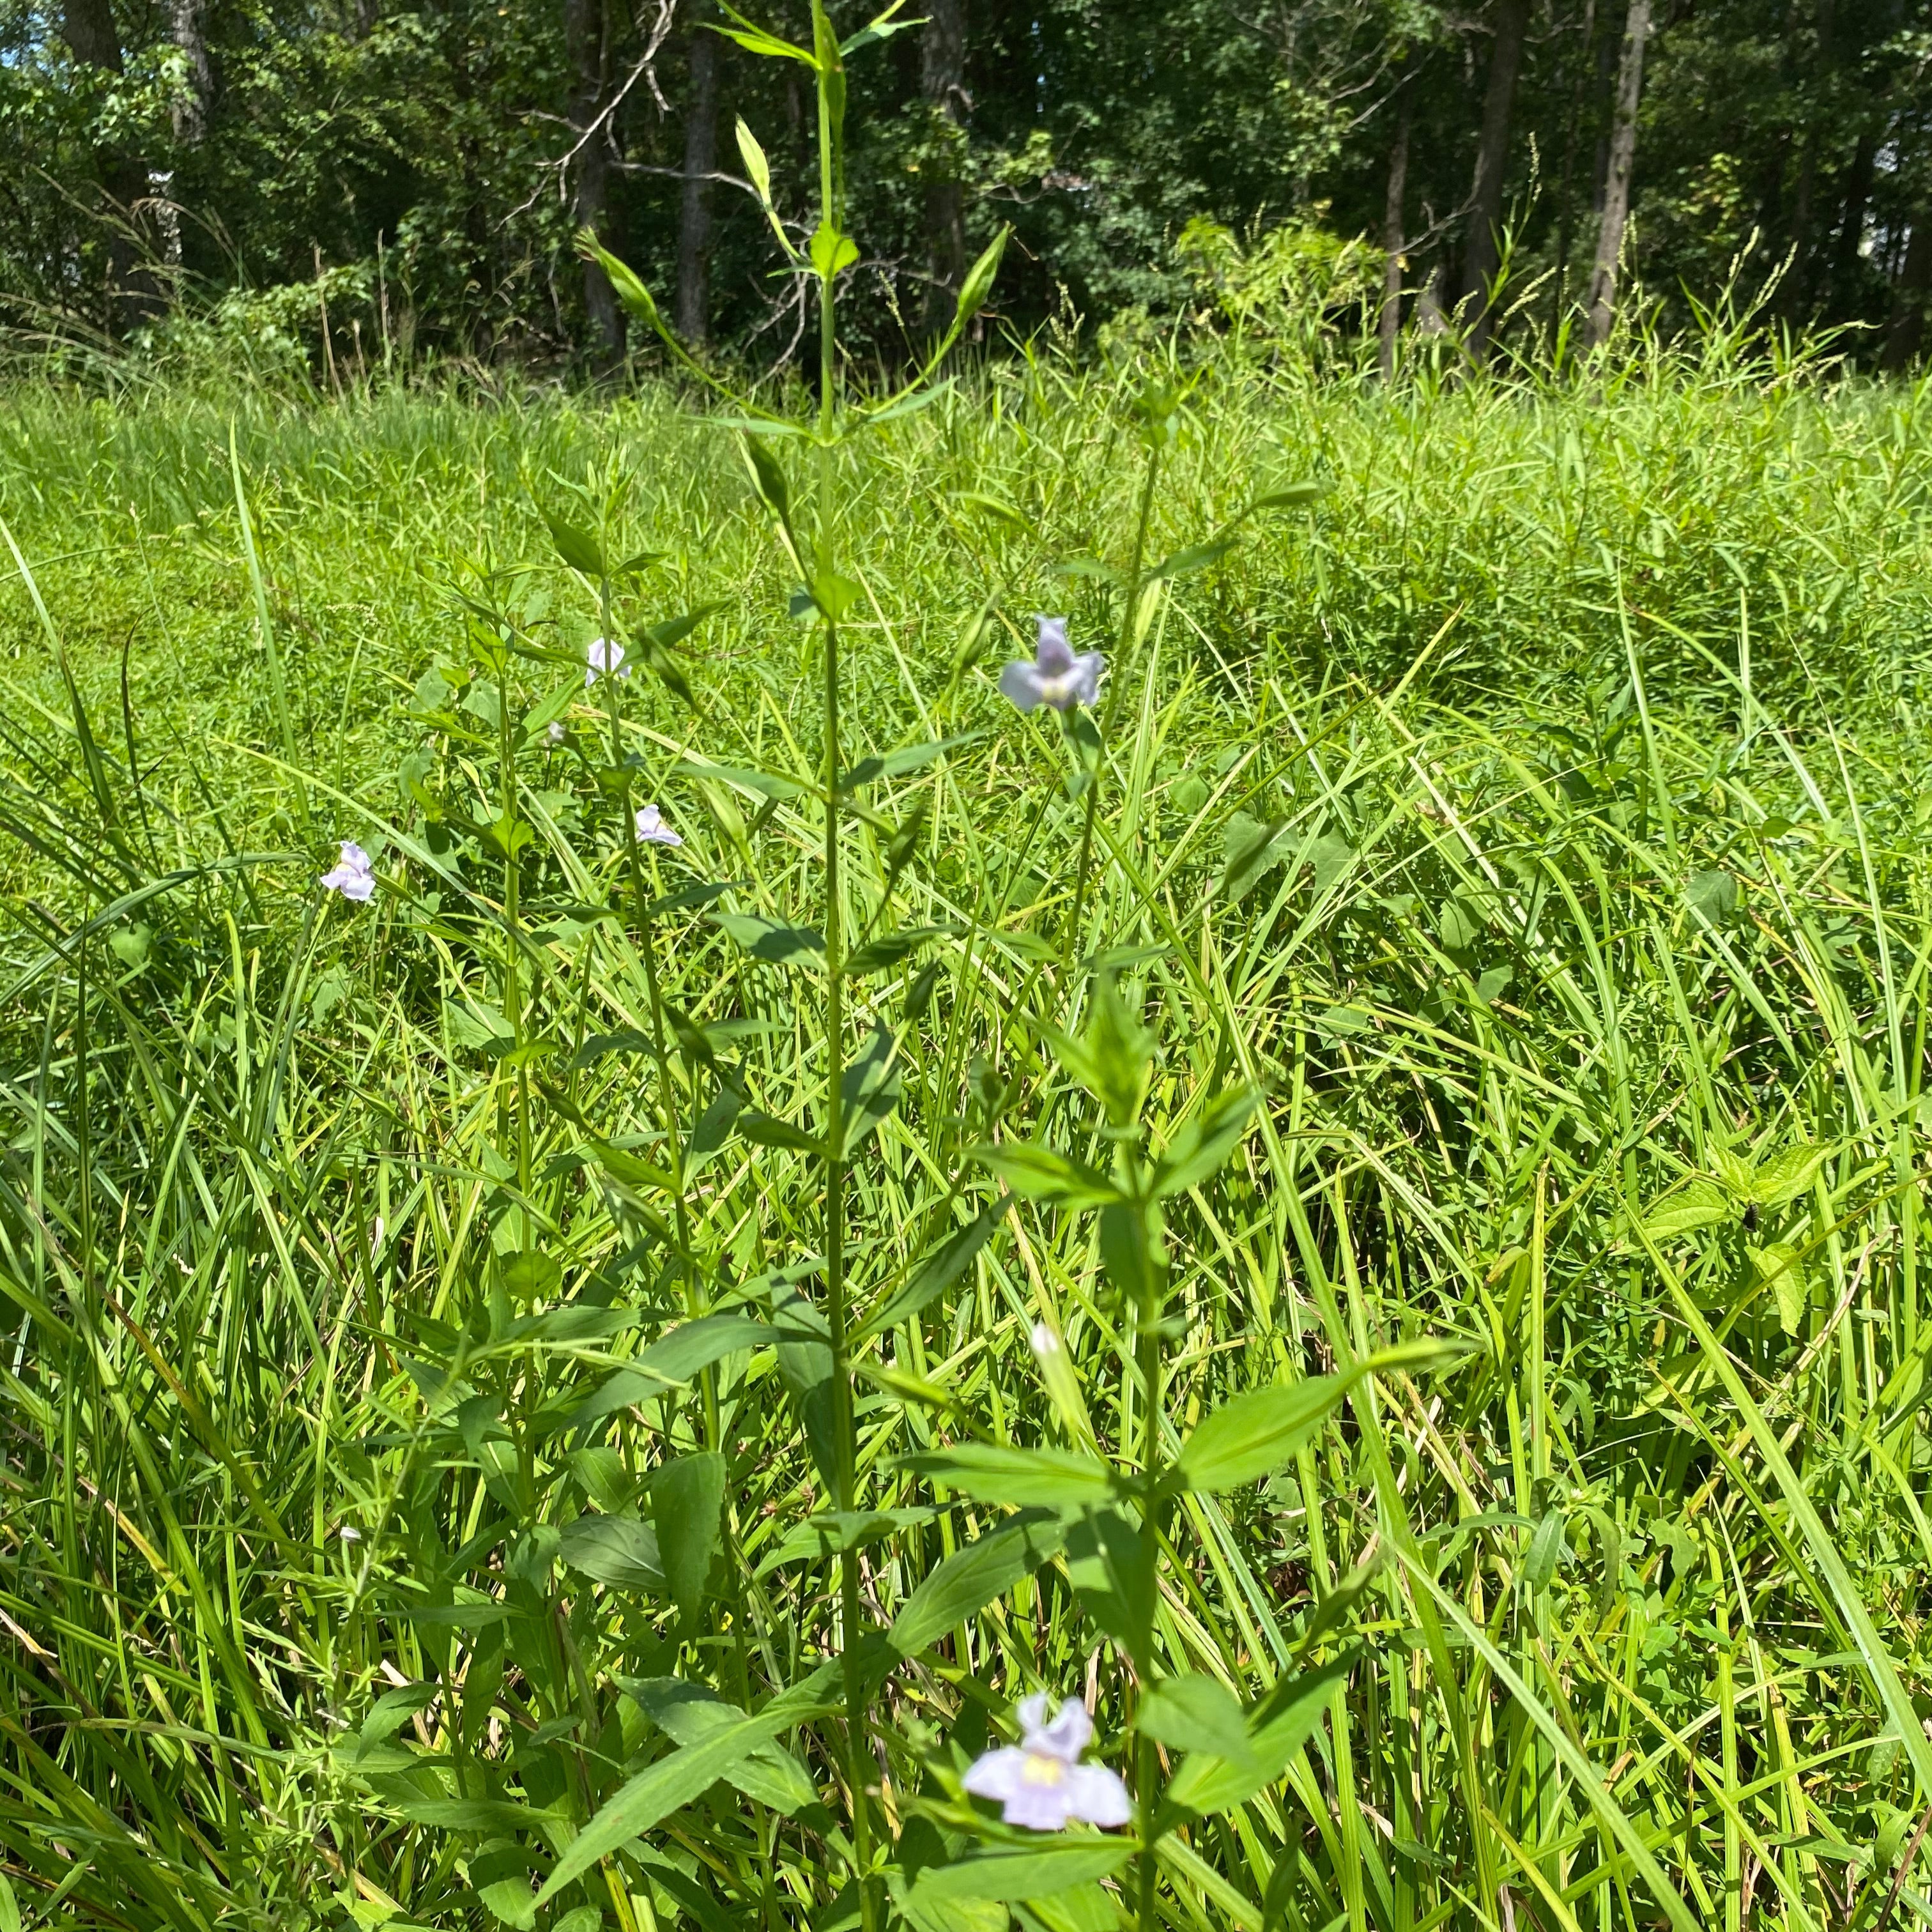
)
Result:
{"points": [[701, 160], [942, 81], [190, 106], [586, 41], [1859, 179], [1602, 301], [1908, 302], [1483, 253], [1389, 323], [1570, 134], [87, 27]]}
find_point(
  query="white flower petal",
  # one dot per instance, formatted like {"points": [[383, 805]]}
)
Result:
{"points": [[1031, 1713], [1020, 682], [651, 828], [1066, 1737], [604, 654], [997, 1774], [1096, 1794], [1045, 1341], [1039, 1807]]}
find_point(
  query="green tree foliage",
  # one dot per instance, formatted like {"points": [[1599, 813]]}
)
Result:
{"points": [[429, 164]]}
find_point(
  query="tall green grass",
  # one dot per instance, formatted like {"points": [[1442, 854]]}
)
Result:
{"points": [[1539, 824]]}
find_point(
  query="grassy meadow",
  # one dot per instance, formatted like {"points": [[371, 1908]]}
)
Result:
{"points": [[1378, 1172]]}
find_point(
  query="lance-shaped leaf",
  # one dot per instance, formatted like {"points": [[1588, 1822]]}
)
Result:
{"points": [[743, 778], [754, 39], [577, 548], [1197, 557], [1291, 496], [618, 1550], [758, 172], [1019, 1872], [1258, 1433], [687, 1498], [870, 1089], [672, 1781], [1193, 1712], [991, 1472], [690, 1713], [910, 758], [670, 1362], [1204, 1142], [1039, 1174], [1209, 1782], [881, 955], [881, 27], [765, 939], [970, 1578], [763, 1130], [936, 1273]]}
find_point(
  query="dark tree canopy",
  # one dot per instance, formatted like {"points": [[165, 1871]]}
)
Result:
{"points": [[213, 174]]}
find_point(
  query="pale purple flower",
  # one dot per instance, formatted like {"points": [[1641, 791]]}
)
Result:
{"points": [[604, 654], [353, 878], [1057, 676], [557, 734], [652, 830], [1040, 1781]]}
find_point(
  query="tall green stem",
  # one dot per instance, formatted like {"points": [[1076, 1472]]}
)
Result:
{"points": [[1121, 649], [844, 1424], [1147, 1361]]}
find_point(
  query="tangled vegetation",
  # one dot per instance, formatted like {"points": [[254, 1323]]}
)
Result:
{"points": [[1352, 1204]]}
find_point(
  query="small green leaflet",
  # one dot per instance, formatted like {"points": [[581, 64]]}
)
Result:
{"points": [[831, 251], [1778, 1182], [1712, 897], [1252, 851]]}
